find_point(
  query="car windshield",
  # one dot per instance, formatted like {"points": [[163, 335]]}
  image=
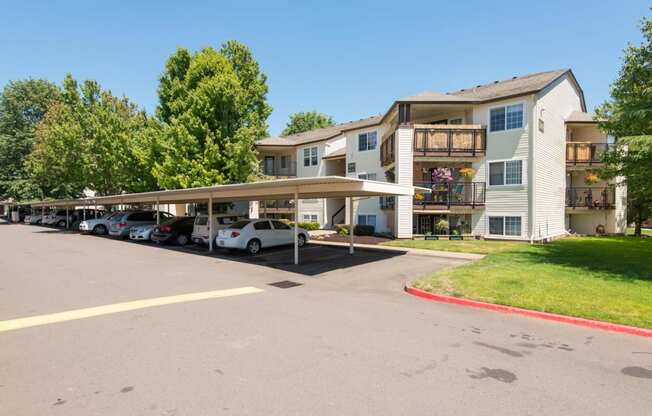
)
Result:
{"points": [[240, 224]]}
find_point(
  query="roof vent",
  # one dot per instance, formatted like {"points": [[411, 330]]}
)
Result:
{"points": [[514, 77], [462, 90], [496, 82], [478, 86]]}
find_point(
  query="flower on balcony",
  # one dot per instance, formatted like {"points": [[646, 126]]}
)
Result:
{"points": [[591, 178], [418, 197], [466, 172], [442, 175]]}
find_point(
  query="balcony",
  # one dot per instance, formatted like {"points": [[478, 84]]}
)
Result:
{"points": [[283, 206], [585, 153], [387, 156], [278, 169], [387, 202], [591, 197], [446, 195], [448, 140]]}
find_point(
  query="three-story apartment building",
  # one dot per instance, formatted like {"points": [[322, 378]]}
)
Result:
{"points": [[512, 159]]}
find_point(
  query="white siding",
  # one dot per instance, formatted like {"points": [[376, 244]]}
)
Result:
{"points": [[556, 102], [404, 172]]}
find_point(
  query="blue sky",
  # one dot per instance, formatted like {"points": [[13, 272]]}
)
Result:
{"points": [[347, 60]]}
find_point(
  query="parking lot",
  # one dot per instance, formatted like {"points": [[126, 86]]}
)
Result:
{"points": [[159, 330]]}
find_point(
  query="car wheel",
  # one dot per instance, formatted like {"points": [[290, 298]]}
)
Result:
{"points": [[182, 240], [253, 247], [301, 240], [61, 224], [38, 222], [99, 230]]}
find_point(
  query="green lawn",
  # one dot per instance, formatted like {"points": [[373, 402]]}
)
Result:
{"points": [[630, 231], [464, 246], [603, 278]]}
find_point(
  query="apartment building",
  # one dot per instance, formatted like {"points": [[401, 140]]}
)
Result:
{"points": [[513, 159]]}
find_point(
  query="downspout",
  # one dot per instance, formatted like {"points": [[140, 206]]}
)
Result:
{"points": [[532, 185]]}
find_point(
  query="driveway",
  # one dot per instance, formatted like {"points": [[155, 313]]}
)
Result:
{"points": [[160, 331]]}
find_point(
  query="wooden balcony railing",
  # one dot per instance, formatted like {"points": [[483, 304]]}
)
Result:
{"points": [[451, 194], [585, 153], [449, 140], [387, 156], [591, 197]]}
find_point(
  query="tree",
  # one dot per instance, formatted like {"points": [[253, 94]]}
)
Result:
{"points": [[214, 107], [306, 121], [92, 140], [23, 104], [628, 116]]}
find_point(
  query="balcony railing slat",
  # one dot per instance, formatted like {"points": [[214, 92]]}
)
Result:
{"points": [[585, 153], [591, 197]]}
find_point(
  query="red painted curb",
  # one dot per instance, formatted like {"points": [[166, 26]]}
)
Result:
{"points": [[624, 329]]}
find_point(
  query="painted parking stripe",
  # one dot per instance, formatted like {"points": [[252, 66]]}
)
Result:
{"points": [[72, 315]]}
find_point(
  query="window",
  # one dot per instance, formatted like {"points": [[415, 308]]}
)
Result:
{"points": [[262, 225], [512, 225], [367, 141], [506, 118], [278, 225], [506, 173], [367, 220], [457, 120], [310, 156], [505, 226], [284, 162], [351, 167], [367, 176], [310, 217]]}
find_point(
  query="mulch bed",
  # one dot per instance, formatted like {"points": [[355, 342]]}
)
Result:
{"points": [[361, 239]]}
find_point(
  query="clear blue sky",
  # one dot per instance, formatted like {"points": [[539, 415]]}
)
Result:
{"points": [[347, 60]]}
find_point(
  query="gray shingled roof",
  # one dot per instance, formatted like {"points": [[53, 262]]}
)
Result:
{"points": [[581, 117], [433, 96], [336, 154], [319, 134], [506, 88]]}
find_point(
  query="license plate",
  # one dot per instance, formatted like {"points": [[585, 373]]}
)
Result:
{"points": [[220, 242]]}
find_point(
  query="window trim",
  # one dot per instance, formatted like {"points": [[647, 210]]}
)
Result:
{"points": [[505, 105], [503, 215], [506, 185], [366, 216], [366, 134], [310, 159]]}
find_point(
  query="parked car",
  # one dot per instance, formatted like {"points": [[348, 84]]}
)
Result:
{"points": [[54, 216], [256, 234], [220, 221], [141, 232], [34, 219], [176, 230], [98, 226], [120, 225]]}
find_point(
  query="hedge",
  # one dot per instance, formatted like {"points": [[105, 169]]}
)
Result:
{"points": [[343, 229]]}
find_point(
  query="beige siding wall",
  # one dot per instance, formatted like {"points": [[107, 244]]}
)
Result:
{"points": [[554, 105], [404, 173]]}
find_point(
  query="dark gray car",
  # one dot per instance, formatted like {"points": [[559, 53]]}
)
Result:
{"points": [[120, 225]]}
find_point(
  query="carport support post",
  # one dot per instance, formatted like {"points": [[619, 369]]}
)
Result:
{"points": [[95, 209], [158, 211], [210, 223], [351, 225], [84, 210], [42, 213], [296, 227], [67, 223]]}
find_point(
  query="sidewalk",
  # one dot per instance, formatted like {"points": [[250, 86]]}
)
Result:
{"points": [[415, 251]]}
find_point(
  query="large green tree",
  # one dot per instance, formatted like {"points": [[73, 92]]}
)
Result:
{"points": [[628, 116], [306, 121], [214, 107], [23, 104], [93, 140]]}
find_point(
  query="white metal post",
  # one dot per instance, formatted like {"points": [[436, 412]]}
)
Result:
{"points": [[296, 227], [158, 211], [42, 214], [210, 224], [84, 210], [67, 221], [351, 225], [95, 209]]}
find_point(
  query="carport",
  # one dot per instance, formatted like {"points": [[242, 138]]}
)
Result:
{"points": [[296, 189]]}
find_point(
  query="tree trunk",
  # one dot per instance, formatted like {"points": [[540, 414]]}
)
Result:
{"points": [[639, 223]]}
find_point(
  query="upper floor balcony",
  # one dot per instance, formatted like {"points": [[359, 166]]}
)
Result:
{"points": [[439, 141], [585, 153], [446, 195], [591, 197], [278, 166]]}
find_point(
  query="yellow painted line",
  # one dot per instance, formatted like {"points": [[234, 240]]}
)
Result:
{"points": [[72, 315]]}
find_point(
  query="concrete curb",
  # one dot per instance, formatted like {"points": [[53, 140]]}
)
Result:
{"points": [[416, 251], [623, 329]]}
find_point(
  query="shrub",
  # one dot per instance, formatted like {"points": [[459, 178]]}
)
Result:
{"points": [[343, 229], [442, 226], [309, 226]]}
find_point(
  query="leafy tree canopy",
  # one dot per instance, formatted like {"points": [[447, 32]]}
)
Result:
{"points": [[214, 107], [628, 116], [306, 121], [23, 104]]}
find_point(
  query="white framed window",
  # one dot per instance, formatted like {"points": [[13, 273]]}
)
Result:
{"points": [[505, 225], [310, 217], [507, 117], [367, 220], [310, 156], [367, 141], [367, 176], [506, 172]]}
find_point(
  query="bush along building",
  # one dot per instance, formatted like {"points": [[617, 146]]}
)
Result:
{"points": [[513, 159]]}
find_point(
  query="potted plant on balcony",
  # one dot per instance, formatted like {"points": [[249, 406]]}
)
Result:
{"points": [[591, 178], [442, 226], [466, 172]]}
